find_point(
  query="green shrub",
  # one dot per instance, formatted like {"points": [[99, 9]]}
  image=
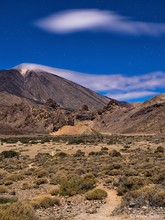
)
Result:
{"points": [[42, 157], [77, 140], [104, 148], [14, 177], [55, 192], [8, 182], [69, 187], [44, 201], [87, 182], [96, 194], [127, 184], [3, 189], [4, 200], [97, 153], [26, 186], [160, 149], [79, 153], [28, 172], [40, 181], [41, 173], [146, 196], [9, 154], [62, 154], [3, 174], [115, 153], [58, 177], [17, 211], [76, 185]]}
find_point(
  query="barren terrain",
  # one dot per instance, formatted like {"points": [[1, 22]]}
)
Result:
{"points": [[53, 167]]}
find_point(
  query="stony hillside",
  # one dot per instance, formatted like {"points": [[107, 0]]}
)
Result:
{"points": [[147, 118]]}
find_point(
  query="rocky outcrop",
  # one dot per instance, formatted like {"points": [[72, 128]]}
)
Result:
{"points": [[147, 118]]}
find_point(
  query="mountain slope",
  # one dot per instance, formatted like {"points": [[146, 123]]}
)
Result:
{"points": [[147, 118], [36, 85]]}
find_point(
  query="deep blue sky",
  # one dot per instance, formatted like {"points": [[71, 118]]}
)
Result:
{"points": [[98, 52]]}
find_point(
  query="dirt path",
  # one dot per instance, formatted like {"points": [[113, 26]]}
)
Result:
{"points": [[104, 212]]}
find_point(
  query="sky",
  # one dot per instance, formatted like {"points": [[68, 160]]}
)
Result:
{"points": [[114, 47]]}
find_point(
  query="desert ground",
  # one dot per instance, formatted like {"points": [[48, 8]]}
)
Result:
{"points": [[55, 177]]}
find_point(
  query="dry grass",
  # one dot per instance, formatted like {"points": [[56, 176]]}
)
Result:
{"points": [[44, 201], [96, 194], [17, 211]]}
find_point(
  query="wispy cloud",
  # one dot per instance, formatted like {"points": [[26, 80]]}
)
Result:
{"points": [[116, 86], [94, 19], [133, 95]]}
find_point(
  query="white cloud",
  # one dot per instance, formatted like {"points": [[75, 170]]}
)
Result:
{"points": [[94, 19], [133, 95], [117, 86]]}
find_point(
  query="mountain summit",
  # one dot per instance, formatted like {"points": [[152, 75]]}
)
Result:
{"points": [[39, 83]]}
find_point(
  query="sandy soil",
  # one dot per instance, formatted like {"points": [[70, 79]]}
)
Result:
{"points": [[53, 148], [81, 128]]}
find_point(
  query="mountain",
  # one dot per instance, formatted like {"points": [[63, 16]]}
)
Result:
{"points": [[36, 101], [39, 86], [145, 118]]}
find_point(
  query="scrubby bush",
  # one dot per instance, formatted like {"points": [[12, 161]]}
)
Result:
{"points": [[87, 182], [2, 174], [40, 181], [26, 186], [58, 177], [8, 182], [62, 154], [28, 172], [146, 196], [104, 148], [17, 211], [55, 192], [9, 154], [96, 194], [3, 189], [127, 184], [4, 200], [77, 140], [115, 153], [42, 157], [74, 185], [69, 187], [14, 177], [41, 173], [79, 153], [44, 201], [97, 153], [160, 149]]}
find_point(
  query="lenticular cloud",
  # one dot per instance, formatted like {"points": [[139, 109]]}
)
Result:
{"points": [[71, 21]]}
